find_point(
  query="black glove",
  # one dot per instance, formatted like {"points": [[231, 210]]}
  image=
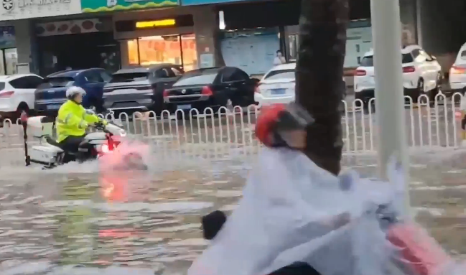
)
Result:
{"points": [[212, 224], [99, 125]]}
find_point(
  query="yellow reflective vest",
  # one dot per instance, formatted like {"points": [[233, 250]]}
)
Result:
{"points": [[73, 120]]}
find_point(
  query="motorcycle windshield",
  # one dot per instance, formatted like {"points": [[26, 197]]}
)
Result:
{"points": [[293, 211]]}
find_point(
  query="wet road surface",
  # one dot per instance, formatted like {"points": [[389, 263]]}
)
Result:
{"points": [[73, 219]]}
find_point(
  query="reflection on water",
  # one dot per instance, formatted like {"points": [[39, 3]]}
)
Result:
{"points": [[140, 220], [141, 223]]}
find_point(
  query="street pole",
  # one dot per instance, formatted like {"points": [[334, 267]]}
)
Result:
{"points": [[389, 97]]}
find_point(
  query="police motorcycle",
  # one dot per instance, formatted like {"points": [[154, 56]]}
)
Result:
{"points": [[104, 140]]}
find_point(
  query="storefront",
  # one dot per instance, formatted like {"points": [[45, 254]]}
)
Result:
{"points": [[18, 52], [76, 44], [255, 31], [179, 36], [8, 51]]}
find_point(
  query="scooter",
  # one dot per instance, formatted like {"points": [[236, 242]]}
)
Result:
{"points": [[50, 153]]}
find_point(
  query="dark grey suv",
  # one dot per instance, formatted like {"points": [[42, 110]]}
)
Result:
{"points": [[140, 88]]}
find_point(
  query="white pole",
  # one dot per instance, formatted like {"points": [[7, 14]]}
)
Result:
{"points": [[389, 97]]}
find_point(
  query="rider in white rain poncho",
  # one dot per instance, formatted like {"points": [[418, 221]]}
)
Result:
{"points": [[296, 218]]}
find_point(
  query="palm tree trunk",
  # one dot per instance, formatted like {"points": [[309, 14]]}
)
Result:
{"points": [[319, 74]]}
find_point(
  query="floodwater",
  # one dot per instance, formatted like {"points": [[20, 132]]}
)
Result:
{"points": [[74, 220]]}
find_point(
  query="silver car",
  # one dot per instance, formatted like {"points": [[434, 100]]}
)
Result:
{"points": [[140, 88]]}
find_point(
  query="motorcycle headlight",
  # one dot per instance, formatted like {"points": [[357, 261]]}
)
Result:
{"points": [[122, 133]]}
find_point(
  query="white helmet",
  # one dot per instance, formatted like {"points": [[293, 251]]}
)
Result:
{"points": [[73, 91]]}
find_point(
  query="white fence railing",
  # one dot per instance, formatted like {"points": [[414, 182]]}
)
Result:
{"points": [[231, 131]]}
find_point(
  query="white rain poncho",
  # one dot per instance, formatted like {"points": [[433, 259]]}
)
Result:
{"points": [[294, 211]]}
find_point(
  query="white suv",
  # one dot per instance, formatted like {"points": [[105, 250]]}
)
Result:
{"points": [[17, 94], [422, 74], [458, 72]]}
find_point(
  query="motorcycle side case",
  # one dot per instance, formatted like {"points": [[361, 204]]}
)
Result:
{"points": [[44, 154]]}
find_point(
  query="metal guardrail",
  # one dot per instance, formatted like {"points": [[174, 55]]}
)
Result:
{"points": [[230, 132]]}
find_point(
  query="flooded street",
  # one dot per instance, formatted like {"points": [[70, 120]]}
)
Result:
{"points": [[149, 223]]}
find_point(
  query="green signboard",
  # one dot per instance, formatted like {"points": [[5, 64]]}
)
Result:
{"points": [[116, 5]]}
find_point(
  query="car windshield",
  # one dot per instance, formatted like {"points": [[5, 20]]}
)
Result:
{"points": [[197, 78], [368, 61], [56, 82], [129, 77], [281, 74]]}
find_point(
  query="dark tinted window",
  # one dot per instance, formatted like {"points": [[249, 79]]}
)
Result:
{"points": [[198, 78], [27, 82], [239, 75], [163, 73], [177, 71], [2, 85], [105, 76], [129, 77], [463, 55], [368, 61], [34, 81], [57, 82], [416, 53], [281, 74], [19, 83], [93, 77]]}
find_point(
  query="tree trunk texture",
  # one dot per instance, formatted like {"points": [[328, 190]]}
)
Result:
{"points": [[319, 74]]}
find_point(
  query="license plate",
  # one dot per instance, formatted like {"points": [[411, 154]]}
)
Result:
{"points": [[184, 107], [53, 107], [278, 91]]}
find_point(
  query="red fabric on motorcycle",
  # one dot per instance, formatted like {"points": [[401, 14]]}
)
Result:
{"points": [[419, 251], [266, 123]]}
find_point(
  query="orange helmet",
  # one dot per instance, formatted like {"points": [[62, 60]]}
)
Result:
{"points": [[278, 118]]}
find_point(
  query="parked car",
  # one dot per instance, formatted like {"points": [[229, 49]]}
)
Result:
{"points": [[422, 74], [17, 94], [278, 86], [211, 87], [457, 76], [140, 88], [51, 94]]}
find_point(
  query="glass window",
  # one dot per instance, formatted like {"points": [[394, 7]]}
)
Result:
{"points": [[239, 75], [11, 58], [463, 55], [176, 71], [159, 49], [57, 82], [133, 55], [197, 78], [173, 49], [93, 77], [2, 85], [281, 74], [34, 81], [20, 83], [162, 73], [2, 65], [293, 41], [189, 52], [105, 76], [129, 77], [368, 61], [416, 53]]}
